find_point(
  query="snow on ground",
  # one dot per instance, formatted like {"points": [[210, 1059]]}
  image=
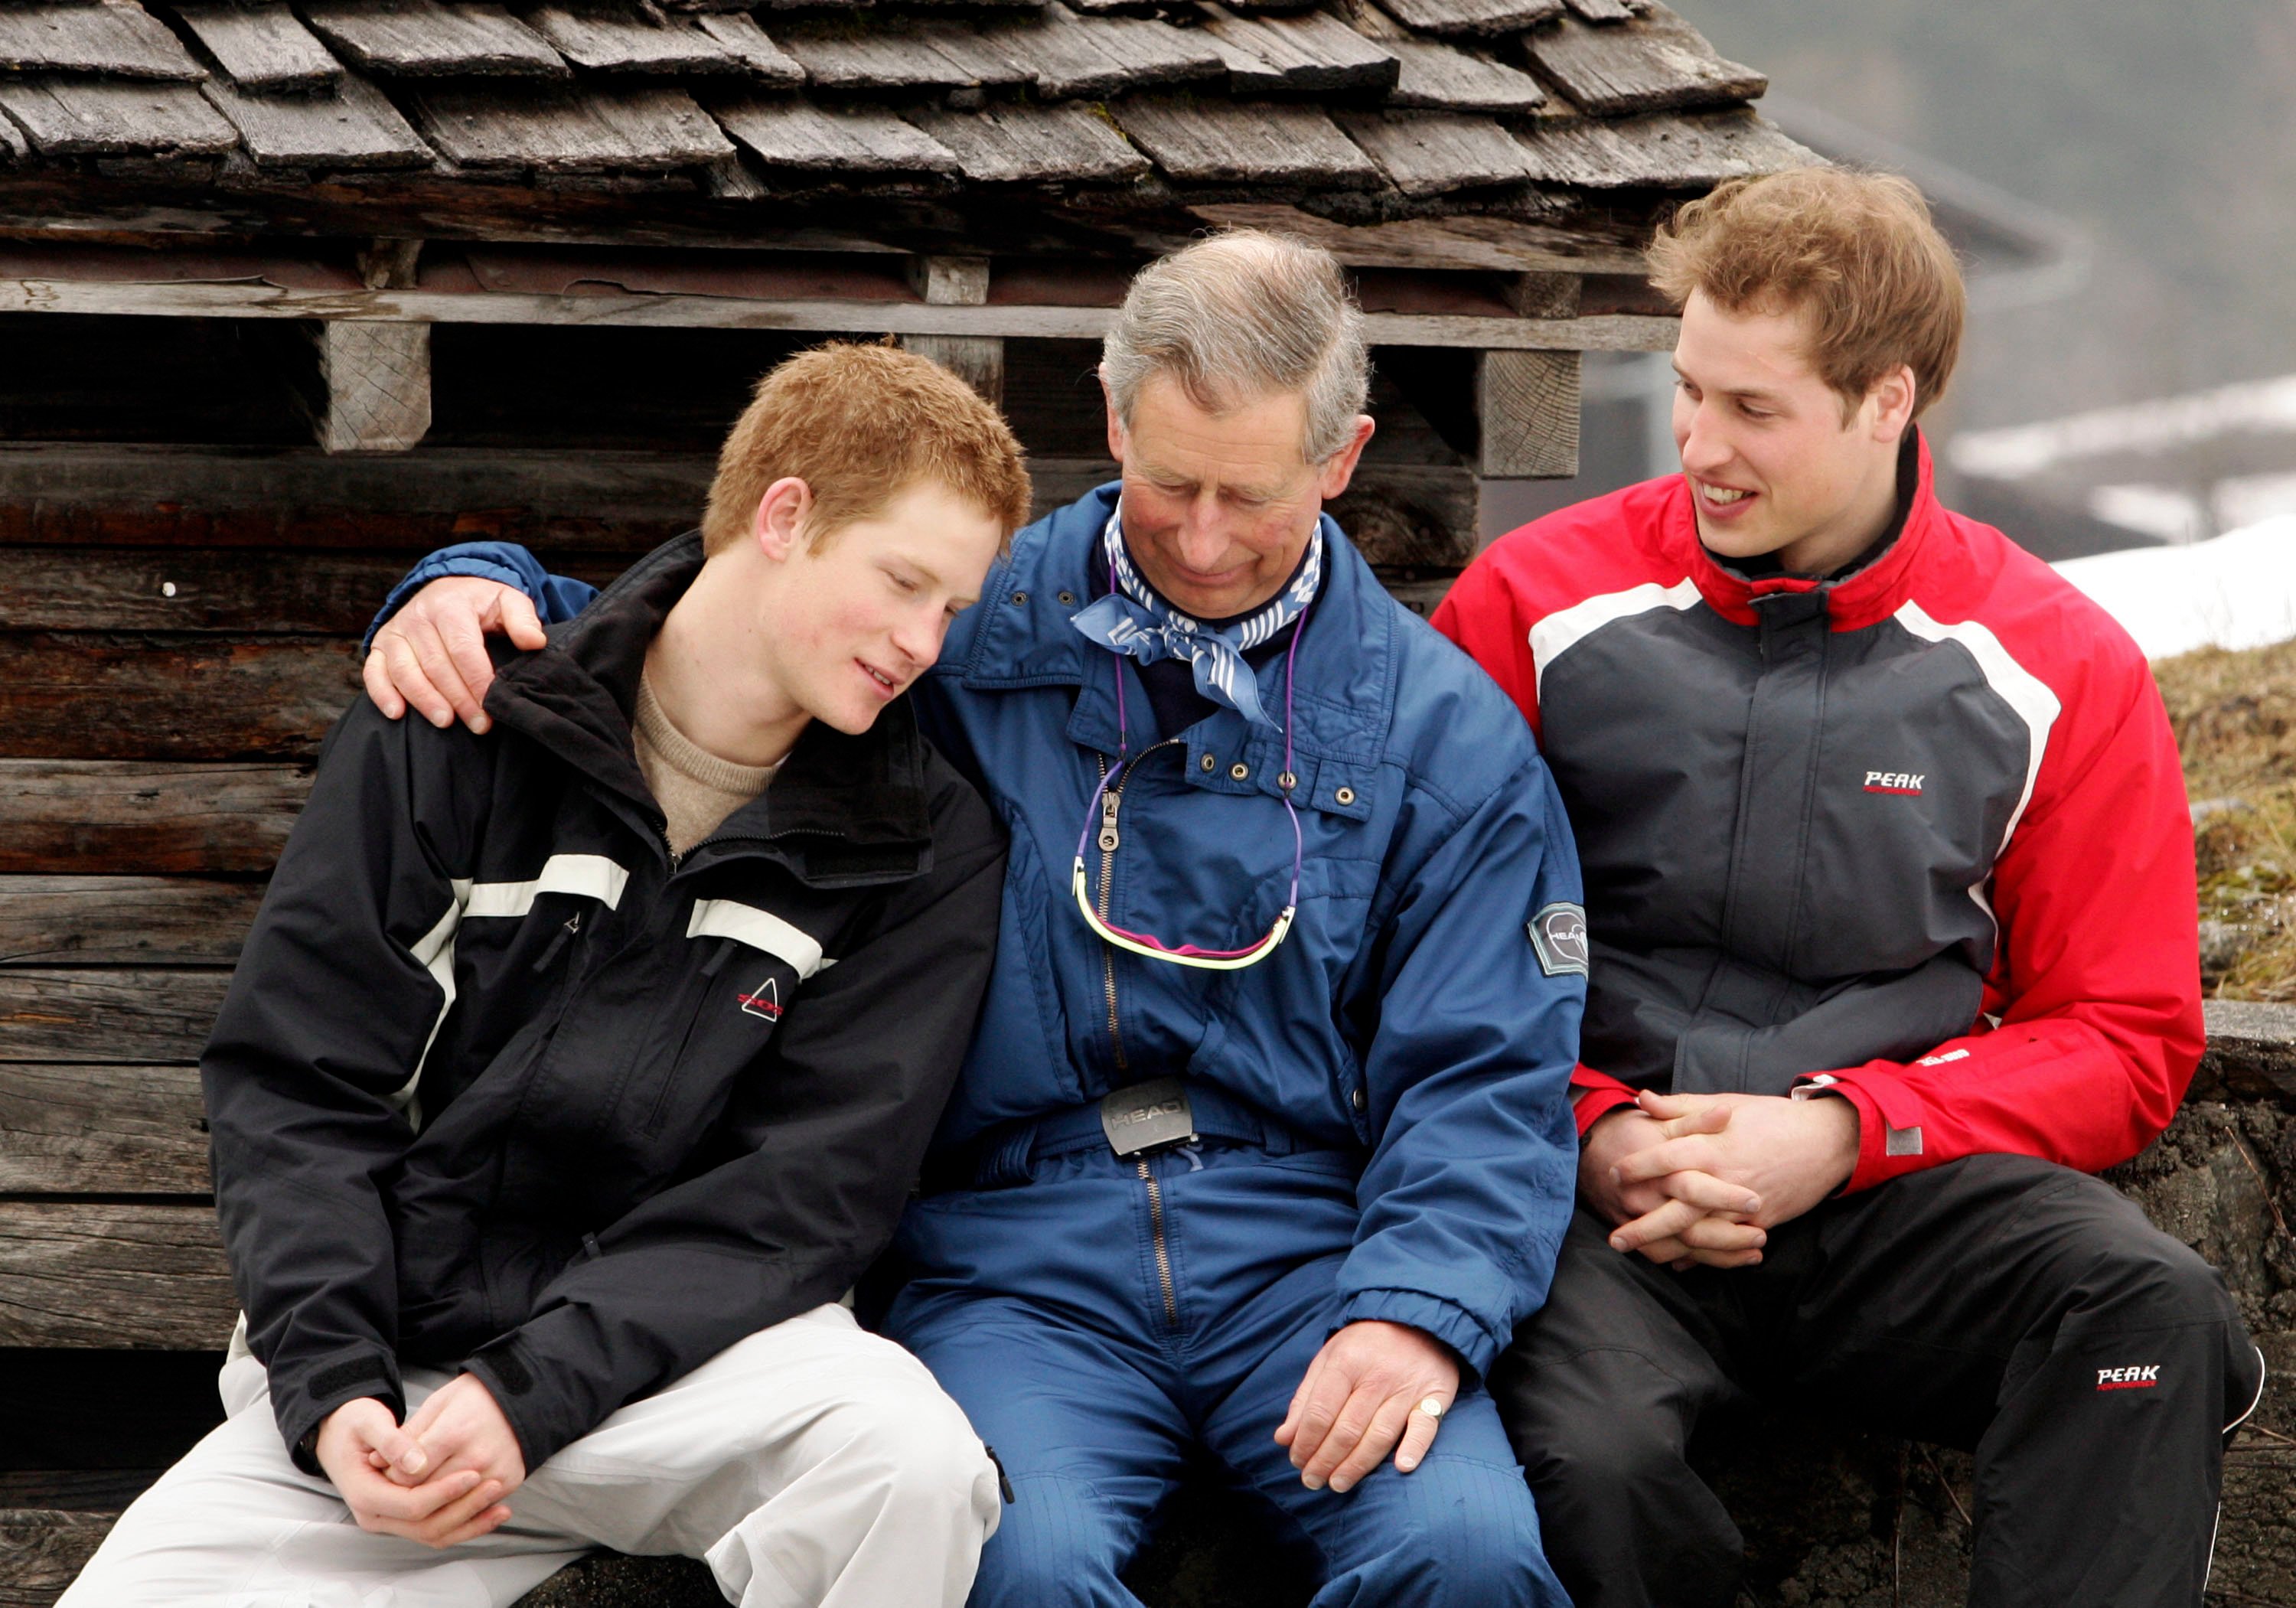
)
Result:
{"points": [[2235, 591]]}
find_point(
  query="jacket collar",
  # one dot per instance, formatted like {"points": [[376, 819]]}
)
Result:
{"points": [[1874, 587], [854, 798], [1342, 705]]}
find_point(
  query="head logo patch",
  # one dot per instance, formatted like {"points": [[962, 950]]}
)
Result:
{"points": [[1559, 934], [765, 1002]]}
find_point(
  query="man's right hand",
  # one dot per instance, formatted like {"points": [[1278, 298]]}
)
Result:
{"points": [[443, 1511], [431, 655], [1700, 1214]]}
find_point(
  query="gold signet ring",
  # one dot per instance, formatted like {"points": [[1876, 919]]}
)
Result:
{"points": [[1433, 1407]]}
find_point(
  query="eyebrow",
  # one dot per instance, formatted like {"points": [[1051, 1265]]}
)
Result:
{"points": [[1744, 392], [931, 576]]}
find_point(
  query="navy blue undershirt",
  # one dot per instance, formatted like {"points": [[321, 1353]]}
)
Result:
{"points": [[1171, 682]]}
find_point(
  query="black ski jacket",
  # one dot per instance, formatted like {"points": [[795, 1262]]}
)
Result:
{"points": [[500, 1085]]}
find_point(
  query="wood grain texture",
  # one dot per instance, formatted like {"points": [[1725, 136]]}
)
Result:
{"points": [[1474, 18], [738, 35], [88, 1015], [114, 116], [123, 920], [1429, 152], [1068, 55], [118, 1278], [883, 56], [1657, 63], [1443, 77], [42, 1550], [607, 36], [978, 362], [81, 1129], [557, 128], [122, 816], [376, 379], [1528, 404], [356, 126], [1016, 142], [112, 589], [1309, 53], [117, 38], [74, 697], [1411, 515], [1606, 10], [860, 139], [1669, 150], [260, 43], [432, 38], [1213, 140]]}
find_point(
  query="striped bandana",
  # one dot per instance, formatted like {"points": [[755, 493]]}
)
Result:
{"points": [[1135, 622]]}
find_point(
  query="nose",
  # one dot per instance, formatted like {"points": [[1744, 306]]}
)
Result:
{"points": [[917, 636], [1203, 537], [1699, 436]]}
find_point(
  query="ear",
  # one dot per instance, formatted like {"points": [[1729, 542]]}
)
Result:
{"points": [[1334, 474], [1115, 424], [1894, 396], [779, 526]]}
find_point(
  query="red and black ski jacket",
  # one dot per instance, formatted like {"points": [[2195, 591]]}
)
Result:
{"points": [[1917, 831]]}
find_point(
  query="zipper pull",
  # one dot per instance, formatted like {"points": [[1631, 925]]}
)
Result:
{"points": [[1108, 839], [573, 925]]}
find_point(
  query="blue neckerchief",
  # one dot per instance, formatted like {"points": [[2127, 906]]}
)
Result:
{"points": [[1135, 622]]}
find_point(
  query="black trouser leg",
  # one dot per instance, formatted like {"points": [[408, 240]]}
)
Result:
{"points": [[1599, 1393]]}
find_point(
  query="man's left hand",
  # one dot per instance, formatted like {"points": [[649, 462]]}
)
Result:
{"points": [[1361, 1396], [1793, 1153]]}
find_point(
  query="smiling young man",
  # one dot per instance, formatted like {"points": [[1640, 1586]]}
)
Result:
{"points": [[545, 1135], [1261, 1148], [1893, 940]]}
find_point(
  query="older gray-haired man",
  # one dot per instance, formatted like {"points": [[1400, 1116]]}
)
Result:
{"points": [[1261, 1149]]}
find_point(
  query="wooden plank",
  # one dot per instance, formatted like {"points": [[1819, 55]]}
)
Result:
{"points": [[73, 697], [608, 35], [102, 1130], [562, 129], [1664, 150], [740, 37], [1069, 55], [117, 38], [122, 921], [951, 281], [885, 55], [114, 589], [856, 139], [1473, 17], [963, 44], [1419, 516], [71, 1489], [1248, 73], [1460, 242], [1443, 77], [432, 39], [1605, 11], [1016, 142], [356, 126], [42, 1550], [1528, 405], [376, 383], [96, 116], [73, 816], [260, 43], [115, 1277], [150, 1014], [1209, 140], [979, 361], [1310, 53], [1657, 63], [1429, 152]]}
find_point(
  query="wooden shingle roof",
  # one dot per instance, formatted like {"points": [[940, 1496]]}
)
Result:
{"points": [[1084, 112]]}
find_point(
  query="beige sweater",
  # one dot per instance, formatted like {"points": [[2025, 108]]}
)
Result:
{"points": [[696, 789]]}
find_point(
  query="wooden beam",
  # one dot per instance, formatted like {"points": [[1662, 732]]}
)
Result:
{"points": [[1615, 333], [978, 360], [144, 1277], [123, 920], [1528, 404], [950, 281], [102, 1130], [59, 588], [374, 379], [58, 1014], [140, 816], [42, 1550], [77, 697]]}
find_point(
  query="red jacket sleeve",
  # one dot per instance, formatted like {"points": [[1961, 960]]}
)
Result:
{"points": [[2096, 987]]}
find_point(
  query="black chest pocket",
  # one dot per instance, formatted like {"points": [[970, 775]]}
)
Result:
{"points": [[752, 963]]}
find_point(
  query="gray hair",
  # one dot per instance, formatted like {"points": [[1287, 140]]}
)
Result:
{"points": [[1237, 317]]}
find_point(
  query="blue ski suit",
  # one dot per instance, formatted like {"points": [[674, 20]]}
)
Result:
{"points": [[1381, 1105]]}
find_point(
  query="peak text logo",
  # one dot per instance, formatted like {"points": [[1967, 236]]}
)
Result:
{"points": [[1906, 784]]}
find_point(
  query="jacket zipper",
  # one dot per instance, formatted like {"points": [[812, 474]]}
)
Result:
{"points": [[1163, 1252], [1111, 801]]}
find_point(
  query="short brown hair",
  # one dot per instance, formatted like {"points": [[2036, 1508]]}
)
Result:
{"points": [[1858, 250], [860, 425]]}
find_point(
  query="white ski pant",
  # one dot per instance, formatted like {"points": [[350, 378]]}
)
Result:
{"points": [[812, 1464]]}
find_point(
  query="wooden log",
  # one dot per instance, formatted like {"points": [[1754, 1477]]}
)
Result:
{"points": [[102, 1130], [121, 921], [374, 386], [114, 589], [142, 1278], [1528, 405], [72, 1489], [75, 697], [78, 817], [260, 43], [1419, 516], [157, 1014], [42, 1550], [978, 361]]}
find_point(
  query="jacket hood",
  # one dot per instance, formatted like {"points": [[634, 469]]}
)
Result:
{"points": [[576, 696]]}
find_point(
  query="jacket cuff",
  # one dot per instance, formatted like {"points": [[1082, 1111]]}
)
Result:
{"points": [[1602, 1094], [446, 562], [1475, 1346], [540, 1421], [1891, 1141], [302, 1397]]}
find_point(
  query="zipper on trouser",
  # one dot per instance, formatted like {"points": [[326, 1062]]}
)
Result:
{"points": [[1163, 1251]]}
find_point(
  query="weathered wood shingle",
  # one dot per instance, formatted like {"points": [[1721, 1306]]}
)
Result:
{"points": [[935, 55], [740, 37], [117, 38], [1476, 17], [1657, 63], [115, 117], [261, 46], [433, 38], [1444, 77], [1069, 56], [859, 139], [608, 35], [356, 126], [1218, 141], [557, 128], [1312, 53], [1016, 143], [1665, 150], [1427, 152]]}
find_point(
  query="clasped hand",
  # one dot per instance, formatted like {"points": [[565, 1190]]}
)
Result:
{"points": [[1699, 1179], [439, 1478]]}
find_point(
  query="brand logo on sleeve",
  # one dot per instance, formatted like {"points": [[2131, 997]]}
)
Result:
{"points": [[1559, 934], [765, 1001], [1908, 783], [2142, 1378]]}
